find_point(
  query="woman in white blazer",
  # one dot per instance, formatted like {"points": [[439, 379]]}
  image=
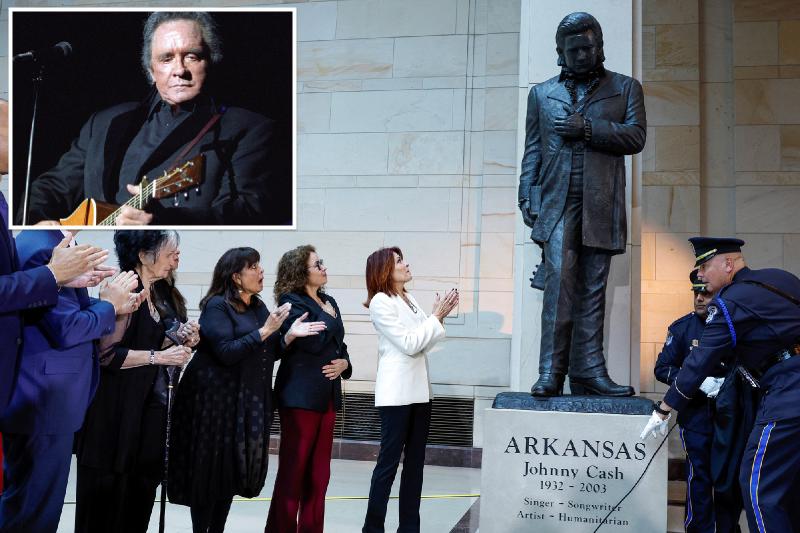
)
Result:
{"points": [[402, 387]]}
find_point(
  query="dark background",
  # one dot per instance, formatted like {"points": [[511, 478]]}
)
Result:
{"points": [[105, 69]]}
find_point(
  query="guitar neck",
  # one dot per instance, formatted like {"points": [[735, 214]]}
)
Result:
{"points": [[137, 201]]}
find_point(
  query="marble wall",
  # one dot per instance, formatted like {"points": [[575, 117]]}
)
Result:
{"points": [[721, 79]]}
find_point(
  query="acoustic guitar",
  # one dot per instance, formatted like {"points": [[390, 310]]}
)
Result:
{"points": [[90, 212]]}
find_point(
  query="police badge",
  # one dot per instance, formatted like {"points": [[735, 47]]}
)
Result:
{"points": [[712, 311]]}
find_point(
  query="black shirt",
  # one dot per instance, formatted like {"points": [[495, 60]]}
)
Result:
{"points": [[160, 122]]}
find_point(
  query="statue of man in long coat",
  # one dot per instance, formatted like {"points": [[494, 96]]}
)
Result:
{"points": [[580, 126]]}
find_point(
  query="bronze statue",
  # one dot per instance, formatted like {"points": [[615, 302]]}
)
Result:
{"points": [[580, 125]]}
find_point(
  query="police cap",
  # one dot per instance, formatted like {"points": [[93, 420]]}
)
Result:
{"points": [[697, 284], [707, 247]]}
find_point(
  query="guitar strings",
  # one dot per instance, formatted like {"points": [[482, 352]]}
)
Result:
{"points": [[138, 201]]}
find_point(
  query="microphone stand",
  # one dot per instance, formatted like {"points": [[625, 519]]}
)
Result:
{"points": [[37, 81]]}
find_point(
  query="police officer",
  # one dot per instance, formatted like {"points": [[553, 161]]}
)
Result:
{"points": [[704, 512], [755, 316]]}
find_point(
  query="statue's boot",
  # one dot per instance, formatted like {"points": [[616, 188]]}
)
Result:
{"points": [[598, 386], [548, 385]]}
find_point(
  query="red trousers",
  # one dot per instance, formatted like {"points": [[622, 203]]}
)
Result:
{"points": [[304, 469]]}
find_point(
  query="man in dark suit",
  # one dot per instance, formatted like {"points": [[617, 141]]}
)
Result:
{"points": [[579, 127], [55, 380], [119, 145]]}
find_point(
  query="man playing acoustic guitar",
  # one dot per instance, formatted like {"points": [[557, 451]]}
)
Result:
{"points": [[179, 123]]}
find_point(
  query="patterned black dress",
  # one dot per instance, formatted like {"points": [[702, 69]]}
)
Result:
{"points": [[223, 408]]}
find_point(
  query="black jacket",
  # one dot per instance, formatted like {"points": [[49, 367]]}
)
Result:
{"points": [[754, 325], [619, 128], [300, 382], [236, 181], [683, 336]]}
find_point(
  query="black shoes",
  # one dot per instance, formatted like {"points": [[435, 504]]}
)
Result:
{"points": [[599, 386], [548, 385]]}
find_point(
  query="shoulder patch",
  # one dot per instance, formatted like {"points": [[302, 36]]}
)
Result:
{"points": [[669, 338], [712, 312]]}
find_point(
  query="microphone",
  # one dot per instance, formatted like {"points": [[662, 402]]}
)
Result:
{"points": [[54, 54]]}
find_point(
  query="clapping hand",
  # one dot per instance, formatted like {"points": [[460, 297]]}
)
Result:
{"points": [[119, 293], [275, 320], [443, 306], [69, 262], [304, 329], [92, 278]]}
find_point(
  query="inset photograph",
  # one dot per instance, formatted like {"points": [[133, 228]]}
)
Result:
{"points": [[170, 119]]}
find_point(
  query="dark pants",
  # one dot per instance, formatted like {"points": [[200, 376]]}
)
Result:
{"points": [[574, 301], [211, 518], [123, 502], [36, 472], [404, 429], [706, 512], [770, 477], [304, 469]]}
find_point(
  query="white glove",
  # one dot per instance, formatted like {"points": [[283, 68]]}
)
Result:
{"points": [[711, 386], [655, 425]]}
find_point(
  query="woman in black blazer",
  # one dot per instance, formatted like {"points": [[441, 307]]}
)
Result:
{"points": [[309, 392]]}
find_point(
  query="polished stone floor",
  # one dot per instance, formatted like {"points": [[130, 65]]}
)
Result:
{"points": [[448, 494]]}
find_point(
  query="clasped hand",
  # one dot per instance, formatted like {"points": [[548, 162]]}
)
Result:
{"points": [[570, 127], [335, 368], [189, 334]]}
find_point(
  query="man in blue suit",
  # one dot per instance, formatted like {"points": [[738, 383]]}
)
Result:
{"points": [[37, 287], [54, 383]]}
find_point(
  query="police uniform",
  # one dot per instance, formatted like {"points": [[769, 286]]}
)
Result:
{"points": [[704, 513], [757, 319]]}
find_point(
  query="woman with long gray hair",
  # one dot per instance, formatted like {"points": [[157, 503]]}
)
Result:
{"points": [[120, 447]]}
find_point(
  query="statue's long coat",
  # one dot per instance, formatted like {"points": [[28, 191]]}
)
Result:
{"points": [[616, 110]]}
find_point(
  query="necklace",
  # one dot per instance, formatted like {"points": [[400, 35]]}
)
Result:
{"points": [[154, 314], [408, 302]]}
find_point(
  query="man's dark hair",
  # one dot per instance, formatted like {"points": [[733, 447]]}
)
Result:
{"points": [[208, 28], [573, 24]]}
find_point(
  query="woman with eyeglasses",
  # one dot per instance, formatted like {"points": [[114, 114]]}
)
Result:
{"points": [[402, 386], [309, 392], [223, 410]]}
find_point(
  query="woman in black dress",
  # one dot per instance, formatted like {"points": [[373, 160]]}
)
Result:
{"points": [[223, 409], [309, 391], [120, 447]]}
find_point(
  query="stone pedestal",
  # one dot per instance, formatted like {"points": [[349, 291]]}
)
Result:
{"points": [[563, 464]]}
